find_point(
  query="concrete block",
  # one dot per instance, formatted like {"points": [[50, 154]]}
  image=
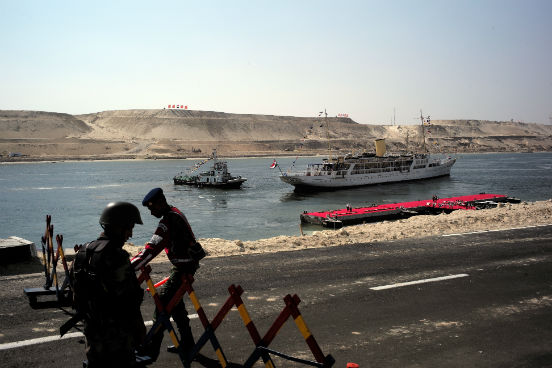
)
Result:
{"points": [[15, 249]]}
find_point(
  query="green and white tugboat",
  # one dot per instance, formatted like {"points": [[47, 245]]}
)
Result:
{"points": [[217, 176]]}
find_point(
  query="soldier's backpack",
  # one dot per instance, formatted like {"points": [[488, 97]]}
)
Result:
{"points": [[82, 280], [85, 284]]}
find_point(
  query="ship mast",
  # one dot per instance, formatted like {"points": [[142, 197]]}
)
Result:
{"points": [[327, 133], [423, 131]]}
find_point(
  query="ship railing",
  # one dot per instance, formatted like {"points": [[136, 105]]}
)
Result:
{"points": [[308, 172]]}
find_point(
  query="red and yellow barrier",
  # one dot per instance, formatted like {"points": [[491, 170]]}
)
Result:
{"points": [[261, 350]]}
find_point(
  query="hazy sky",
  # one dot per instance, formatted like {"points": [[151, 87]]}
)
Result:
{"points": [[476, 59]]}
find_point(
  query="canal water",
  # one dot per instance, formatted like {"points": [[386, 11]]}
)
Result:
{"points": [[75, 193]]}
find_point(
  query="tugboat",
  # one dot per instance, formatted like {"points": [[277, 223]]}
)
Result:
{"points": [[217, 177]]}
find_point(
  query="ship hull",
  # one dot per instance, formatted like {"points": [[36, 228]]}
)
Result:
{"points": [[230, 184]]}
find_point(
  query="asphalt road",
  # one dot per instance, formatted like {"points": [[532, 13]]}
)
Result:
{"points": [[470, 300]]}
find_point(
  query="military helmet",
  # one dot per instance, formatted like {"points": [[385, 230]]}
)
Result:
{"points": [[122, 214]]}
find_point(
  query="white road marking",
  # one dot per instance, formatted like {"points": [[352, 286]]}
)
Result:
{"points": [[419, 282], [41, 340], [488, 231]]}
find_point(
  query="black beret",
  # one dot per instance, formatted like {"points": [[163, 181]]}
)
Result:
{"points": [[152, 196]]}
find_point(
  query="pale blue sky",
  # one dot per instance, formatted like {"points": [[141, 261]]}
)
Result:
{"points": [[454, 59]]}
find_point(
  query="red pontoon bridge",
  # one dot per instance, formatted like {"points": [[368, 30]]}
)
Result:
{"points": [[349, 216]]}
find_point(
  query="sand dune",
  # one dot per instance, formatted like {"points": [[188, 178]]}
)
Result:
{"points": [[170, 133]]}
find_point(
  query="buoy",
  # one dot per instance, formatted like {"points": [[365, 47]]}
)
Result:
{"points": [[353, 365]]}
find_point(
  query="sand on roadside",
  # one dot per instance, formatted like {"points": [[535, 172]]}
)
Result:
{"points": [[505, 216]]}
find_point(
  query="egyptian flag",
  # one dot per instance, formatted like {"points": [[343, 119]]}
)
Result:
{"points": [[274, 164]]}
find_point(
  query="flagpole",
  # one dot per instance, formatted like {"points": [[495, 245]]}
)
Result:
{"points": [[327, 133]]}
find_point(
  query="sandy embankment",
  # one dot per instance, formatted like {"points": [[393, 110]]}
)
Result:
{"points": [[505, 216]]}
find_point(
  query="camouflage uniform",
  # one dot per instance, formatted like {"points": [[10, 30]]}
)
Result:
{"points": [[113, 323]]}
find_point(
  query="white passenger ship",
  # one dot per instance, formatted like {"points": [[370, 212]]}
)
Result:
{"points": [[365, 169]]}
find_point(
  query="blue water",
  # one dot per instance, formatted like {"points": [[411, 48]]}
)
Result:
{"points": [[75, 193]]}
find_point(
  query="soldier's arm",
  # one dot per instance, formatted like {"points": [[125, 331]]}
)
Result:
{"points": [[153, 247]]}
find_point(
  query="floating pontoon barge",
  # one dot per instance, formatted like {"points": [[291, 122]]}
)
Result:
{"points": [[392, 211]]}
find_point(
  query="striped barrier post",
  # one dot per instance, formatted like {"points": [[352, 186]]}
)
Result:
{"points": [[163, 315], [291, 310], [67, 281], [235, 295], [291, 303], [209, 333], [215, 323], [235, 300]]}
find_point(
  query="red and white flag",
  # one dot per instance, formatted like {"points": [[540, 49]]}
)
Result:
{"points": [[274, 164]]}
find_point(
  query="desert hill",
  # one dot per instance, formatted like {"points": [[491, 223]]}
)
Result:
{"points": [[200, 125], [39, 124], [168, 133]]}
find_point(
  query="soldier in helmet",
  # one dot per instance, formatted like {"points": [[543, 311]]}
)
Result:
{"points": [[174, 235], [106, 291]]}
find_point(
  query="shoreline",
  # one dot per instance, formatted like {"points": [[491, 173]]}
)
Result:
{"points": [[503, 217], [93, 158], [23, 160]]}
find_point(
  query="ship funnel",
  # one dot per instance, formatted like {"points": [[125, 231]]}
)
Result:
{"points": [[380, 147]]}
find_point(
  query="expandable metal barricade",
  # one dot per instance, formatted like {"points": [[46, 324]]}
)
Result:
{"points": [[261, 344], [50, 260], [64, 295], [163, 320]]}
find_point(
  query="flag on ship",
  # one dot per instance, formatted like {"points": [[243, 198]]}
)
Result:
{"points": [[274, 164]]}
